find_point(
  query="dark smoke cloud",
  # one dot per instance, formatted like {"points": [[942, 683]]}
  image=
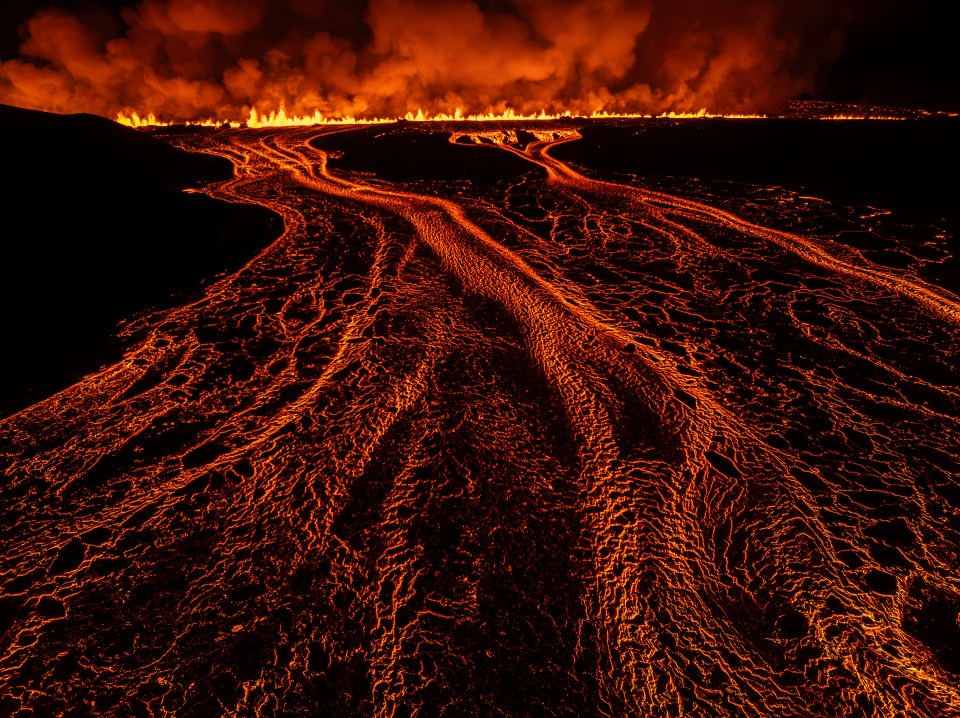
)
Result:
{"points": [[190, 59]]}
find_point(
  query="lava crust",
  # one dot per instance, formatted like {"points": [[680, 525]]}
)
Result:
{"points": [[565, 440]]}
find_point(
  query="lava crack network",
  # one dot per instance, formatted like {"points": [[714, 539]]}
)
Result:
{"points": [[547, 444]]}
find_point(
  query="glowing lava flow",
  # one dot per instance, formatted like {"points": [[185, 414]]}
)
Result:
{"points": [[540, 444], [810, 250]]}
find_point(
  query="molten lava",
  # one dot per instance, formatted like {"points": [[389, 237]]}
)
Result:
{"points": [[541, 441]]}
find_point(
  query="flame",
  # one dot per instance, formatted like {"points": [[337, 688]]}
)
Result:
{"points": [[280, 118], [863, 117], [509, 137], [135, 120]]}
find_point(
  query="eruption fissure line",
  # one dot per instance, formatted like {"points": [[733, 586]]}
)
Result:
{"points": [[280, 118]]}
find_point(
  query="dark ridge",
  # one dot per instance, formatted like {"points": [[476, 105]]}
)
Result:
{"points": [[96, 228], [77, 146]]}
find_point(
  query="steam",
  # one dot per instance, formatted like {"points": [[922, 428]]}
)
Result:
{"points": [[193, 59]]}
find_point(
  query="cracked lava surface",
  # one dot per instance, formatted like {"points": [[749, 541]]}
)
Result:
{"points": [[558, 443]]}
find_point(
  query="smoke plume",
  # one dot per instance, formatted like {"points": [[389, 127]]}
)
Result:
{"points": [[192, 59]]}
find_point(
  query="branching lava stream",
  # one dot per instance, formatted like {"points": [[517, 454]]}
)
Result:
{"points": [[548, 444]]}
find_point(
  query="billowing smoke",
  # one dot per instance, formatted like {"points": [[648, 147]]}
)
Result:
{"points": [[191, 59]]}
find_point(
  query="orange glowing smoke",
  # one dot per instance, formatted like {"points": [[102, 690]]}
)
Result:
{"points": [[198, 59]]}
